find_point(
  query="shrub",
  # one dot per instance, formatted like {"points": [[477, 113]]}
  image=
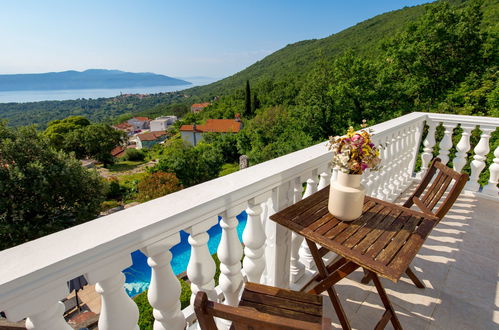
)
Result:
{"points": [[134, 155], [107, 205], [156, 185], [41, 190]]}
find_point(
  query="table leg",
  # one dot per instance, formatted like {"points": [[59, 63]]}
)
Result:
{"points": [[333, 296], [389, 315]]}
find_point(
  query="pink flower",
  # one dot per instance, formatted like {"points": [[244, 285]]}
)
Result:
{"points": [[363, 166]]}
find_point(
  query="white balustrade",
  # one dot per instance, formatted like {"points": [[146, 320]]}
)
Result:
{"points": [[254, 243], [164, 289], [118, 310], [277, 251], [478, 163], [230, 252], [446, 142], [428, 143], [33, 277], [297, 268], [491, 188], [304, 252], [462, 148], [201, 267]]}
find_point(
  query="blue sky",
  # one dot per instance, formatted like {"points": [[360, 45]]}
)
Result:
{"points": [[173, 37]]}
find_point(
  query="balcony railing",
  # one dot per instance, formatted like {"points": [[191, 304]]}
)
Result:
{"points": [[33, 275]]}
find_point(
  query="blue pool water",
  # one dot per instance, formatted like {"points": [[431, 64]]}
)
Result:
{"points": [[138, 275]]}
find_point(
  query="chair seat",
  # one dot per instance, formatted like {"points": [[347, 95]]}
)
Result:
{"points": [[281, 302]]}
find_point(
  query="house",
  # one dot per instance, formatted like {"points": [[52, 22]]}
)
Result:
{"points": [[147, 140], [162, 123], [118, 152], [193, 134], [139, 122], [198, 107], [124, 127]]}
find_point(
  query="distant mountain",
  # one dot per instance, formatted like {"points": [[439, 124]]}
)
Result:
{"points": [[89, 79]]}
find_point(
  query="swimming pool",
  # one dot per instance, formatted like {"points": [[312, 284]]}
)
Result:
{"points": [[138, 275]]}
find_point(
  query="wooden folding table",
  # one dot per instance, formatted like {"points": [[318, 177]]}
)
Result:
{"points": [[383, 241]]}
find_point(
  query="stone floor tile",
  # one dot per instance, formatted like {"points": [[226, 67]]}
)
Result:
{"points": [[372, 310], [473, 290], [457, 314]]}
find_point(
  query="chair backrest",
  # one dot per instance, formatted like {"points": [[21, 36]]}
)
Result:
{"points": [[426, 196], [248, 318]]}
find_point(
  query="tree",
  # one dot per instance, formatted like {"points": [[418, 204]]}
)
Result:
{"points": [[156, 185], [437, 52], [42, 190], [58, 129], [94, 141], [255, 103], [192, 165], [274, 132], [247, 100]]}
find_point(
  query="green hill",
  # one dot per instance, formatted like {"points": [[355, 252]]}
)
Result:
{"points": [[364, 39]]}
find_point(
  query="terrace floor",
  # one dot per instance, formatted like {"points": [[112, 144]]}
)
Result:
{"points": [[459, 264]]}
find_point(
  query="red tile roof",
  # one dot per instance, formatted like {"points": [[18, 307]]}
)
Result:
{"points": [[123, 126], [200, 105], [151, 136], [119, 151], [215, 125], [142, 118]]}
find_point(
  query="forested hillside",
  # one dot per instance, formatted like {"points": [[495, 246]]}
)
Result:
{"points": [[276, 79]]}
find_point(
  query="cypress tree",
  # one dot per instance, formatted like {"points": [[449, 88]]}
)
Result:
{"points": [[247, 100]]}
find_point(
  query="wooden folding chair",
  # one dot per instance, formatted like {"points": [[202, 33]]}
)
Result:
{"points": [[265, 307], [429, 193]]}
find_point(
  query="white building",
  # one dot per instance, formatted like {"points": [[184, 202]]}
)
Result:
{"points": [[162, 123]]}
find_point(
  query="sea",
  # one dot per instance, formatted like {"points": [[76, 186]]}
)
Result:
{"points": [[73, 94]]}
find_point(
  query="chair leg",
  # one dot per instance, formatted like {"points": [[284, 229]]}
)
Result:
{"points": [[417, 282]]}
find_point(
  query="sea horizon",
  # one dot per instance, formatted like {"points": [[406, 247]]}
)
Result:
{"points": [[74, 94]]}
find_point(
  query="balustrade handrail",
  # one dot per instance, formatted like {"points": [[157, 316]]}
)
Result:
{"points": [[71, 252]]}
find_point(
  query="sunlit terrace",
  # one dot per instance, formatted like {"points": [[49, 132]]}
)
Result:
{"points": [[459, 262]]}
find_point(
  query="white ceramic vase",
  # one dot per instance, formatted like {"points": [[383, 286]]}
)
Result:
{"points": [[346, 196]]}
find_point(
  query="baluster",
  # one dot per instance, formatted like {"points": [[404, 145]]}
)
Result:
{"points": [[380, 193], [491, 188], [478, 162], [392, 187], [462, 148], [407, 170], [297, 268], [429, 143], [230, 252], [50, 318], [416, 141], [41, 306], [399, 169], [201, 267], [324, 178], [118, 310], [446, 142], [164, 290], [254, 243], [304, 252], [278, 251]]}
